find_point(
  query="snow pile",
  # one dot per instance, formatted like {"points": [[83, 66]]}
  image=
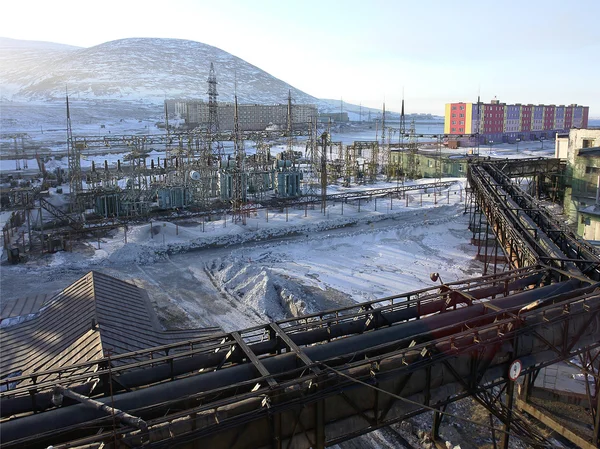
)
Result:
{"points": [[583, 377], [373, 259], [134, 253], [258, 287]]}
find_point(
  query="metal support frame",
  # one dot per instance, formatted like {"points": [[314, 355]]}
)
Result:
{"points": [[252, 357], [291, 408]]}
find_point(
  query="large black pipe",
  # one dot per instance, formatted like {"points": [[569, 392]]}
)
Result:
{"points": [[432, 325], [181, 366], [146, 376]]}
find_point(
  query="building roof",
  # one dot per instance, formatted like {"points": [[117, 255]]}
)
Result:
{"points": [[94, 315], [22, 306], [591, 210], [590, 151]]}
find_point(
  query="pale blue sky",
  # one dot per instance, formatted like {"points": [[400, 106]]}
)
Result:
{"points": [[363, 51]]}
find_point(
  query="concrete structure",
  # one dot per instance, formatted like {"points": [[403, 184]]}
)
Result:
{"points": [[448, 166], [588, 225], [507, 123], [561, 146], [252, 117], [581, 149]]}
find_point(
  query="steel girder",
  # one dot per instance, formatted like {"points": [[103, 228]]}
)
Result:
{"points": [[528, 233], [290, 393]]}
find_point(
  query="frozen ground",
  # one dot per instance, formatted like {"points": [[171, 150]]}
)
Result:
{"points": [[231, 275], [220, 275], [297, 261]]}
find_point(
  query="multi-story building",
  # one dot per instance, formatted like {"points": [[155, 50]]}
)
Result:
{"points": [[252, 117], [581, 149], [502, 122]]}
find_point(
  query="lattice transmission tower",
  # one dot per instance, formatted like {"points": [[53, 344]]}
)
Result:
{"points": [[213, 113], [412, 163], [401, 135], [238, 194], [74, 158]]}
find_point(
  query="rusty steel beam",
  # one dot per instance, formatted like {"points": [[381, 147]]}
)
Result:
{"points": [[550, 239], [554, 425], [252, 358]]}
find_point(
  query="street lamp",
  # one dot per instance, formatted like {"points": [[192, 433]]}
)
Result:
{"points": [[491, 143], [542, 140], [518, 140]]}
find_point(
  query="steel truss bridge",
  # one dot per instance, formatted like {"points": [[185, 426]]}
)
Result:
{"points": [[325, 378]]}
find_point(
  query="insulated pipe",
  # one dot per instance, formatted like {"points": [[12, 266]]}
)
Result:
{"points": [[181, 366], [146, 376], [78, 414], [43, 401]]}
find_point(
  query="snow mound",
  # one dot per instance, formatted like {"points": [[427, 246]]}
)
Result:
{"points": [[258, 287], [134, 253]]}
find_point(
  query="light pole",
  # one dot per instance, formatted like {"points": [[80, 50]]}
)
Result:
{"points": [[491, 143], [542, 140], [518, 140]]}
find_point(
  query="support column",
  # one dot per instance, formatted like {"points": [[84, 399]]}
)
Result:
{"points": [[510, 393], [510, 396], [320, 425], [596, 439], [275, 421], [435, 425]]}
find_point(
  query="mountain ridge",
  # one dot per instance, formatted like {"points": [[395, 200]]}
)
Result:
{"points": [[141, 70], [145, 69]]}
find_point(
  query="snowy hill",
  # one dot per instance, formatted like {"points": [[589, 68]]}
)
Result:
{"points": [[139, 69]]}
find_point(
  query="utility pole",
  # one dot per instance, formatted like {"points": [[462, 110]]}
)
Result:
{"points": [[290, 121], [238, 181], [324, 141], [383, 126], [74, 157]]}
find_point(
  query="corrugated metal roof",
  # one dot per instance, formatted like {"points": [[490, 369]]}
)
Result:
{"points": [[22, 306], [95, 314]]}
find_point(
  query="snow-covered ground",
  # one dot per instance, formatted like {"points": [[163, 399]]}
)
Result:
{"points": [[218, 273], [525, 149], [236, 276]]}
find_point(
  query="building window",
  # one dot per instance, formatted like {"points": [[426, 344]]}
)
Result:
{"points": [[587, 143], [592, 170], [462, 115], [462, 122], [454, 122], [453, 130], [453, 115]]}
